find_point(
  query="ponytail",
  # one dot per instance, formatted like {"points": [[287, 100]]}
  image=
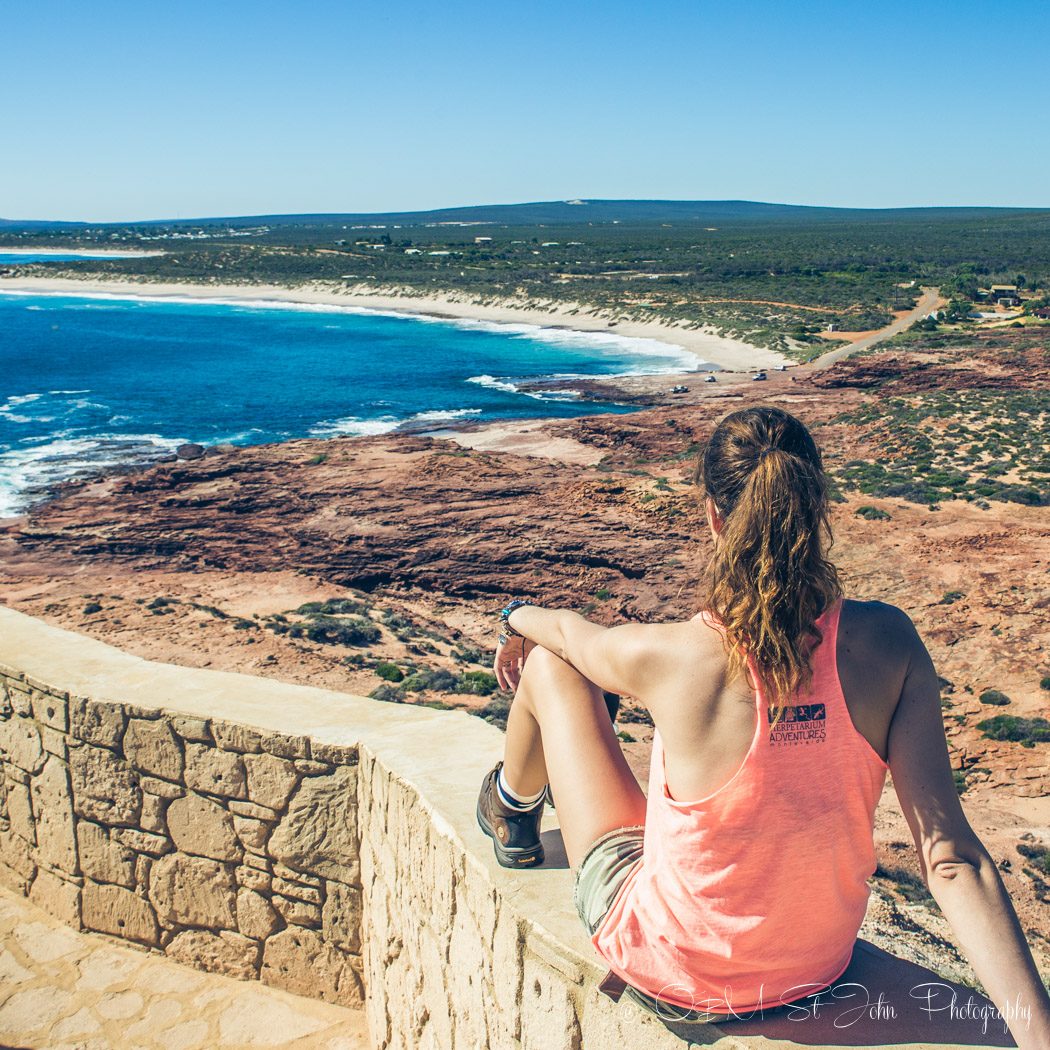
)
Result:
{"points": [[769, 578]]}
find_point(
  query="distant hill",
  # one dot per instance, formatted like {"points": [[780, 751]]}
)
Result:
{"points": [[555, 213]]}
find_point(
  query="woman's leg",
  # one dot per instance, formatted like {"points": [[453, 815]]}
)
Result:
{"points": [[559, 732]]}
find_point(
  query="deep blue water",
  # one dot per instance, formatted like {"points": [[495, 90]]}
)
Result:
{"points": [[90, 382]]}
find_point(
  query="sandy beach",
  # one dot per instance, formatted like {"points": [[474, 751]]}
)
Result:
{"points": [[714, 349]]}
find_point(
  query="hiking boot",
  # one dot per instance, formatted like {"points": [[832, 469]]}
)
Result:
{"points": [[612, 705], [515, 835]]}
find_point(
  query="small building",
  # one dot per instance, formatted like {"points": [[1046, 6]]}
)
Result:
{"points": [[1005, 295], [1042, 312], [482, 240]]}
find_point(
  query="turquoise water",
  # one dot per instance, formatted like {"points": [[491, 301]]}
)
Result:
{"points": [[14, 258], [90, 382]]}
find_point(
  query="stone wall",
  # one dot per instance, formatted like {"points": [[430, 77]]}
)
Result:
{"points": [[319, 842], [227, 848]]}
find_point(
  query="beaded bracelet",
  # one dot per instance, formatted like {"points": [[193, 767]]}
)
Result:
{"points": [[504, 618]]}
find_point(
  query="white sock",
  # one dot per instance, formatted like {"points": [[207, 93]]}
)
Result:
{"points": [[512, 799]]}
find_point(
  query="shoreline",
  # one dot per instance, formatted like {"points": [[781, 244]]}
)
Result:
{"points": [[725, 353]]}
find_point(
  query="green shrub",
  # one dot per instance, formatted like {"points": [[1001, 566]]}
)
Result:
{"points": [[392, 694], [1038, 855], [872, 513], [951, 597], [994, 697], [333, 607], [390, 672], [1026, 731], [496, 710], [603, 594], [1044, 682], [478, 683], [331, 630], [438, 679], [317, 460], [960, 780], [91, 608], [909, 886], [625, 737]]}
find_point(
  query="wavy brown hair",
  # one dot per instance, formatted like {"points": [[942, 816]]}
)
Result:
{"points": [[769, 577]]}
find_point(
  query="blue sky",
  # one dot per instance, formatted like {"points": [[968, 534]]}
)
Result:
{"points": [[117, 110]]}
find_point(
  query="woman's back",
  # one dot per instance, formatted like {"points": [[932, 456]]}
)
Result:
{"points": [[777, 851], [707, 720]]}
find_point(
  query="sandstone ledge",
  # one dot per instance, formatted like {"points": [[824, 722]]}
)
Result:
{"points": [[325, 844]]}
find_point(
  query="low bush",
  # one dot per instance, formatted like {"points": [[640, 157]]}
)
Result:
{"points": [[389, 672], [872, 513], [391, 694], [994, 698], [477, 683], [1026, 731]]}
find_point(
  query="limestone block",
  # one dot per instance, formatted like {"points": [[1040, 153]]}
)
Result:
{"points": [[153, 747], [336, 754], [299, 961], [253, 810], [15, 879], [298, 913], [53, 809], [143, 841], [15, 854], [202, 827], [19, 811], [192, 891], [143, 866], [21, 704], [102, 858], [104, 788], [256, 916], [50, 710], [285, 746], [318, 833], [548, 1013], [57, 897], [152, 817], [310, 768], [215, 772], [54, 742], [96, 723], [119, 912], [233, 737], [226, 953], [296, 890], [196, 729], [302, 878], [341, 916], [20, 744], [6, 707], [263, 864], [253, 879], [251, 833], [271, 780], [161, 788]]}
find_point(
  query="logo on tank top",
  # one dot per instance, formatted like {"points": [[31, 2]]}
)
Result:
{"points": [[801, 724]]}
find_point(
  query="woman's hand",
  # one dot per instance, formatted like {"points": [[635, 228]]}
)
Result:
{"points": [[510, 660]]}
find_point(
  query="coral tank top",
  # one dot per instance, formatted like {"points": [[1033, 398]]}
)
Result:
{"points": [[753, 895]]}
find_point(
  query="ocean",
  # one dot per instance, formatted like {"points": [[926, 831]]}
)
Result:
{"points": [[100, 381]]}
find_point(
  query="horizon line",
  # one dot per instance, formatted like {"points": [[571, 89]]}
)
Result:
{"points": [[581, 202]]}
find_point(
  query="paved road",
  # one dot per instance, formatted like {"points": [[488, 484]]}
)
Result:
{"points": [[927, 304]]}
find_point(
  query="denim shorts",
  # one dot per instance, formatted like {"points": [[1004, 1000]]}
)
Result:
{"points": [[599, 878]]}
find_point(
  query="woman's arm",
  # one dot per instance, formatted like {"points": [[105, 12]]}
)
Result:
{"points": [[960, 874], [629, 659]]}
